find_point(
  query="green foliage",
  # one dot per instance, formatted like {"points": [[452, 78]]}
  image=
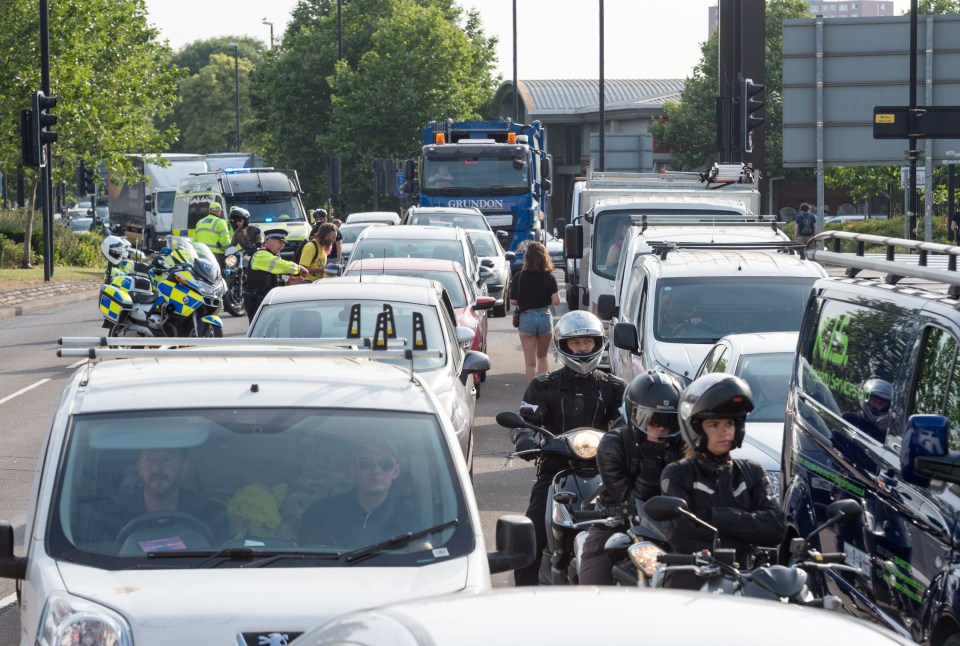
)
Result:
{"points": [[76, 249], [69, 249], [196, 55], [209, 117], [405, 62], [110, 75], [890, 228]]}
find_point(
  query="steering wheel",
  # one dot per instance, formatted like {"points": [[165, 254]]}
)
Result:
{"points": [[157, 518]]}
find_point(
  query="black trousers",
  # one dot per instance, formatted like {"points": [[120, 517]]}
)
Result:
{"points": [[536, 512], [251, 303], [596, 568]]}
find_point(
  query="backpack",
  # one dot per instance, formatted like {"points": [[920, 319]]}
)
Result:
{"points": [[298, 251]]}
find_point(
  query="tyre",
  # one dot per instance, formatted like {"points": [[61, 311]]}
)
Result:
{"points": [[233, 302], [213, 331]]}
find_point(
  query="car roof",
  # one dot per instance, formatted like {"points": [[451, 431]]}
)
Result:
{"points": [[418, 264], [362, 225], [762, 342], [416, 231], [441, 620], [691, 262], [705, 232], [227, 381], [446, 210], [403, 289]]}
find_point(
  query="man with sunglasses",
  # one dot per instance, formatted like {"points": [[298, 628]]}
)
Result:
{"points": [[631, 459], [368, 513]]}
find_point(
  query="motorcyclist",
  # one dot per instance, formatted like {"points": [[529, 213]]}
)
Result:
{"points": [[873, 414], [573, 396], [214, 232], [631, 459], [733, 495], [96, 225], [240, 219]]}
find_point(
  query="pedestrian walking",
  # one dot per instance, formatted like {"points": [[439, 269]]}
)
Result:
{"points": [[805, 223], [532, 292]]}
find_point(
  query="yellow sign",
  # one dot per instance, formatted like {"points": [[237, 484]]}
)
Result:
{"points": [[884, 118]]}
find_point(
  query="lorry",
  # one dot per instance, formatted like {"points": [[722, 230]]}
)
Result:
{"points": [[144, 209], [498, 166], [272, 196], [224, 161], [596, 234]]}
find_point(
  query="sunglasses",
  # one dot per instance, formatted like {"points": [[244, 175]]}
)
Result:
{"points": [[385, 464]]}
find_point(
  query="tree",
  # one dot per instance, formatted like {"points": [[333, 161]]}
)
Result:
{"points": [[108, 71], [389, 85], [208, 120], [690, 125], [196, 55]]}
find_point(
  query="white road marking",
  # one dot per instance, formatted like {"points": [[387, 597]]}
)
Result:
{"points": [[23, 390], [6, 601], [77, 364]]}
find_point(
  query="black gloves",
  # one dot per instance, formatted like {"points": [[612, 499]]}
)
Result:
{"points": [[524, 440]]}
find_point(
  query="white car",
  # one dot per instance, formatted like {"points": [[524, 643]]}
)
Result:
{"points": [[573, 616], [493, 256], [238, 493], [350, 232], [385, 217], [764, 361]]}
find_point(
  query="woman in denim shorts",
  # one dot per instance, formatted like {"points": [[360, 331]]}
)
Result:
{"points": [[532, 292]]}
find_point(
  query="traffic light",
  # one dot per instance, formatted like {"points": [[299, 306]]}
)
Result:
{"points": [[28, 140], [749, 107], [43, 121], [89, 183]]}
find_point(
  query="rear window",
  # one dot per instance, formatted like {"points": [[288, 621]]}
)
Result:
{"points": [[440, 249]]}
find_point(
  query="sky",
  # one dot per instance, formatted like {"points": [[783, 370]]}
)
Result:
{"points": [[643, 39]]}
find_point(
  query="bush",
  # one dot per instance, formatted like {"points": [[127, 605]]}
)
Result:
{"points": [[69, 249], [11, 253]]}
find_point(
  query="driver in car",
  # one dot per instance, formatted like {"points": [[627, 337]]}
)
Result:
{"points": [[160, 501]]}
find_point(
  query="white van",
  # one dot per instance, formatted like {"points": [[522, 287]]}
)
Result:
{"points": [[218, 495]]}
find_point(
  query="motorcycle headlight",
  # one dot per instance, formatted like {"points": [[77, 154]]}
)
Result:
{"points": [[230, 262], [69, 620], [644, 556], [584, 443]]}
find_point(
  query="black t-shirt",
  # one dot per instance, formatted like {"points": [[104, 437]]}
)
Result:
{"points": [[533, 289]]}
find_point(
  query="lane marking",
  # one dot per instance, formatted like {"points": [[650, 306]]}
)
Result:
{"points": [[6, 601], [23, 390], [77, 364]]}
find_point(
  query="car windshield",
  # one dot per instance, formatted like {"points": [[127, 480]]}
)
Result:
{"points": [[328, 319], [80, 225], [267, 487], [266, 210], [768, 376], [703, 309], [464, 221], [350, 232], [449, 280], [485, 244], [412, 248]]}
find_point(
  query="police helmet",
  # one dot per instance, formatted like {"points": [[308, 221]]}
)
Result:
{"points": [[651, 400], [574, 325], [717, 395], [115, 249]]}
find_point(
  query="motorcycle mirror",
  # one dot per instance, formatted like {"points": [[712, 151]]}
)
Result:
{"points": [[510, 419], [839, 512], [664, 507]]}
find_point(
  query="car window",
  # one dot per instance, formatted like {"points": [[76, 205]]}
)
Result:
{"points": [[449, 280], [937, 390], [328, 319], [485, 244], [269, 479], [849, 351], [768, 376], [703, 309], [716, 360], [392, 248], [609, 232]]}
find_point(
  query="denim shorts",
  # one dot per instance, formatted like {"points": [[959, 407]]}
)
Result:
{"points": [[536, 321]]}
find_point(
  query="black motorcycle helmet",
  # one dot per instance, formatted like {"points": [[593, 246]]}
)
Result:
{"points": [[240, 216], [652, 397], [717, 395]]}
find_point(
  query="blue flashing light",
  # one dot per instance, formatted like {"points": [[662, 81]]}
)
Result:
{"points": [[268, 219], [234, 170]]}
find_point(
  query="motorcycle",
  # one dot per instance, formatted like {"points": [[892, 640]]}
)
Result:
{"points": [[236, 263], [180, 295], [722, 575], [572, 497]]}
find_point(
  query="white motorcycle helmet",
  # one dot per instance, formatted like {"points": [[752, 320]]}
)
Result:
{"points": [[115, 249], [574, 325]]}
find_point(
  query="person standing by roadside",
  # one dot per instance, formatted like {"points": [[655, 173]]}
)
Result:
{"points": [[532, 292], [313, 255], [953, 226], [806, 224], [266, 268]]}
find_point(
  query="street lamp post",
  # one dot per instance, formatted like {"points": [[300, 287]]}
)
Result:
{"points": [[267, 22], [236, 79]]}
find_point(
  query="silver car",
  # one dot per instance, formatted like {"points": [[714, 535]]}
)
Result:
{"points": [[324, 309], [493, 256]]}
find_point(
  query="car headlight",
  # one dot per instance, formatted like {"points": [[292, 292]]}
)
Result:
{"points": [[644, 556], [584, 443], [71, 621]]}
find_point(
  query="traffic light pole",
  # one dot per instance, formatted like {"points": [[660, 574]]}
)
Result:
{"points": [[46, 180]]}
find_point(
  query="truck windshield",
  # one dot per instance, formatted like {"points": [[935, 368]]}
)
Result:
{"points": [[609, 231], [165, 201], [475, 175], [275, 209]]}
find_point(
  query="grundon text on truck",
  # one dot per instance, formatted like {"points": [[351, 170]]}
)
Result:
{"points": [[271, 196], [500, 167]]}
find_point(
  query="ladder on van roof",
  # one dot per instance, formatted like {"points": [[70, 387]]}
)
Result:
{"points": [[663, 247], [703, 218], [887, 262]]}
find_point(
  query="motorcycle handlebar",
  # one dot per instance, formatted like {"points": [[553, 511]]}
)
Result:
{"points": [[677, 559], [833, 557], [589, 514]]}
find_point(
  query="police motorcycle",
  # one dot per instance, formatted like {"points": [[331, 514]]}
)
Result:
{"points": [[572, 497], [179, 295], [236, 262], [722, 575]]}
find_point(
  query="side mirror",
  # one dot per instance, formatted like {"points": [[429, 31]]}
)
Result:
{"points": [[15, 567], [625, 337], [559, 226], [546, 170], [474, 362], [573, 297], [607, 307], [573, 241], [485, 273], [664, 507], [844, 511], [924, 453], [484, 303], [486, 262], [516, 544], [510, 419], [465, 335], [510, 256], [547, 187]]}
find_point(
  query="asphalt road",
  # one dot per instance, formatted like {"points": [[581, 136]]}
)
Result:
{"points": [[32, 378]]}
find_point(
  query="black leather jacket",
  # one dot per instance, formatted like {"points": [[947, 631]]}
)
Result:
{"points": [[735, 496], [631, 466]]}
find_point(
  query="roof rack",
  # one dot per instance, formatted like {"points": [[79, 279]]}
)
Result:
{"points": [[664, 247], [894, 270], [643, 220]]}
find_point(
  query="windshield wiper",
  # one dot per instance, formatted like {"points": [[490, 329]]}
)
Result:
{"points": [[241, 554], [397, 541]]}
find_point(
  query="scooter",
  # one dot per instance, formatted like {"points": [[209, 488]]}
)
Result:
{"points": [[180, 296], [783, 583], [572, 497], [236, 263]]}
